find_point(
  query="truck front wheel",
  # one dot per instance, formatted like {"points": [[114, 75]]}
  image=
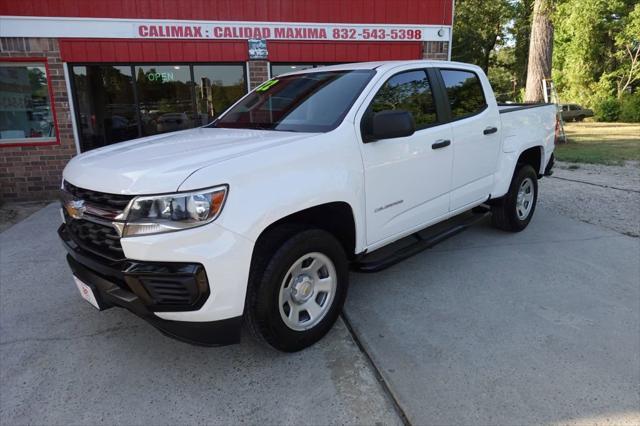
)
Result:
{"points": [[513, 212], [297, 287]]}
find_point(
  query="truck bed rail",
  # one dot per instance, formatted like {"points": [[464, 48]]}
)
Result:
{"points": [[505, 108]]}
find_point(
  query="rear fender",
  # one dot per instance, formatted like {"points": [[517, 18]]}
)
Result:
{"points": [[507, 167]]}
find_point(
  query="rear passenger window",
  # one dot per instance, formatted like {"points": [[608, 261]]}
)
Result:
{"points": [[409, 91], [465, 93]]}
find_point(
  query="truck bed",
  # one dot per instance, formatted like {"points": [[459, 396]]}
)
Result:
{"points": [[528, 124]]}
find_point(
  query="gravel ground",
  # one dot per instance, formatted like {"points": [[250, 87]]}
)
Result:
{"points": [[608, 196]]}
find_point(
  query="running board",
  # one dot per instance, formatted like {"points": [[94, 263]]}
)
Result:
{"points": [[454, 226]]}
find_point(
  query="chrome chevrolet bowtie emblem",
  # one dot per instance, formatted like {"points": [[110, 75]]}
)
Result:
{"points": [[75, 208]]}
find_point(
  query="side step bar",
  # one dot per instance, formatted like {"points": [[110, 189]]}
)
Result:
{"points": [[378, 263]]}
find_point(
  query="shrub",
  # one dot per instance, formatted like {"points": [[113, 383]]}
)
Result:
{"points": [[607, 110], [630, 108]]}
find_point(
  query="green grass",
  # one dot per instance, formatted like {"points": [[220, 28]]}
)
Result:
{"points": [[600, 143]]}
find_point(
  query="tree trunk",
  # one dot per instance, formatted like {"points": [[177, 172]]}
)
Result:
{"points": [[487, 54], [540, 50]]}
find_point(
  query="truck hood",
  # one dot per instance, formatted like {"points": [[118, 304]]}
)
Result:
{"points": [[161, 163]]}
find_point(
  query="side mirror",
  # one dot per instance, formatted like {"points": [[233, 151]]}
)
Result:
{"points": [[390, 124]]}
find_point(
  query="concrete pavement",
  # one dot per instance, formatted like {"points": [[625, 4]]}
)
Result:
{"points": [[61, 362], [539, 327]]}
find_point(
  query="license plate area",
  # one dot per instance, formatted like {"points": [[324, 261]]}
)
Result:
{"points": [[87, 293]]}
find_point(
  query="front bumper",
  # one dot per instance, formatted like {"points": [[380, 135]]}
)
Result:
{"points": [[145, 288]]}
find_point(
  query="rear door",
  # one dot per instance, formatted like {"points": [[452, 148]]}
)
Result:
{"points": [[476, 140], [407, 180]]}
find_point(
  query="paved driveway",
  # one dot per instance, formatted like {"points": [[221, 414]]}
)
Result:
{"points": [[494, 328], [61, 362], [487, 328]]}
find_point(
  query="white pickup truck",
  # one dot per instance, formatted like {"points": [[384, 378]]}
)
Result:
{"points": [[258, 216]]}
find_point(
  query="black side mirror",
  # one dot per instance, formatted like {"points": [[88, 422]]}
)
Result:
{"points": [[390, 124]]}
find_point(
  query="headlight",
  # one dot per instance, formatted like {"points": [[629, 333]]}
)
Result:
{"points": [[165, 213]]}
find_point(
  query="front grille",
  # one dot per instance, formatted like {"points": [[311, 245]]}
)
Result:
{"points": [[99, 199], [99, 239], [95, 233]]}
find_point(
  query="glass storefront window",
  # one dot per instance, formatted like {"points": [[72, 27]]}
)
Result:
{"points": [[165, 98], [115, 103], [217, 88], [25, 106], [106, 111]]}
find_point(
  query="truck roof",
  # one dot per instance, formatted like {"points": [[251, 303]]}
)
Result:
{"points": [[382, 66]]}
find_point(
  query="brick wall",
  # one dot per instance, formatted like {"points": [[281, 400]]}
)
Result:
{"points": [[34, 172], [436, 50], [258, 73]]}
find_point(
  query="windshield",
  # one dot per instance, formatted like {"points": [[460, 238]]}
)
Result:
{"points": [[313, 102]]}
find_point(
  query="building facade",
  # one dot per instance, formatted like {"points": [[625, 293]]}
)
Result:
{"points": [[76, 75]]}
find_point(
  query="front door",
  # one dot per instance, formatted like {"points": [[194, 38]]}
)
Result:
{"points": [[407, 180]]}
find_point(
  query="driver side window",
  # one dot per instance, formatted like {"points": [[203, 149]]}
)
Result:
{"points": [[409, 91]]}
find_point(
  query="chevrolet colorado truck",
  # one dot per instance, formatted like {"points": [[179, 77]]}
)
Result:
{"points": [[258, 217]]}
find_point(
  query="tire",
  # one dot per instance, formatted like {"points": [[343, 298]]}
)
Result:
{"points": [[291, 304], [580, 118], [507, 213]]}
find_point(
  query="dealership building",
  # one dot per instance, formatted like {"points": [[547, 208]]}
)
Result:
{"points": [[76, 75]]}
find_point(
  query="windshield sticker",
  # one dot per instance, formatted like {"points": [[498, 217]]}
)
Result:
{"points": [[266, 85]]}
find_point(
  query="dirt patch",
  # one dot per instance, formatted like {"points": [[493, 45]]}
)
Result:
{"points": [[13, 212]]}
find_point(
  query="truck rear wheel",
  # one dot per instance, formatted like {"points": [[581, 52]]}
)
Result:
{"points": [[514, 211], [297, 287]]}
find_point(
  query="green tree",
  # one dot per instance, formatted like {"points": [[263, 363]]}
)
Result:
{"points": [[520, 32], [503, 74], [596, 49], [590, 40], [479, 27], [627, 54]]}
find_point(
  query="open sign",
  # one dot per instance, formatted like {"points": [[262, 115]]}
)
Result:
{"points": [[160, 76]]}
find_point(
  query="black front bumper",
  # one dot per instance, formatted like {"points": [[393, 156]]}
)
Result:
{"points": [[147, 287]]}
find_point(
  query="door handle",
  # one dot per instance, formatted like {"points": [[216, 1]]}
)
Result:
{"points": [[441, 143], [490, 130]]}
